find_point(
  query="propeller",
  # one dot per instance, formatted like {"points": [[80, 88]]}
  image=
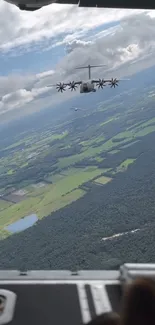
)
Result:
{"points": [[113, 82], [100, 83], [72, 86], [60, 87]]}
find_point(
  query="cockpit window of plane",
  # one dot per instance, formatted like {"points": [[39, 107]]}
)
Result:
{"points": [[77, 132]]}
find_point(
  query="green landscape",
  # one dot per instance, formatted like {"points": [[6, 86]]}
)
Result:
{"points": [[46, 170], [77, 187]]}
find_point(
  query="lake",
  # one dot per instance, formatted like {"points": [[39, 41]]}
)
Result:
{"points": [[22, 224]]}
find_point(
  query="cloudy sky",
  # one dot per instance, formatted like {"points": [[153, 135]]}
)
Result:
{"points": [[43, 47]]}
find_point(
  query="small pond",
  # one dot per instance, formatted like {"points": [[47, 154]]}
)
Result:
{"points": [[22, 224]]}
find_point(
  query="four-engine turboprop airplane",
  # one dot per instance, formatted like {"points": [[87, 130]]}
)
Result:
{"points": [[88, 85]]}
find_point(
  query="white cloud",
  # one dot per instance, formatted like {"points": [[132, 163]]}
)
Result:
{"points": [[19, 98], [45, 74], [75, 44], [11, 83], [132, 40], [51, 21]]}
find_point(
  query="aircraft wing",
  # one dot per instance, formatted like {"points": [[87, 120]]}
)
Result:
{"points": [[96, 81], [73, 83], [66, 84], [127, 4], [73, 2], [107, 80], [61, 86], [113, 82]]}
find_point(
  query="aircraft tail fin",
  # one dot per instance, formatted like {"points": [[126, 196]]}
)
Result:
{"points": [[89, 66]]}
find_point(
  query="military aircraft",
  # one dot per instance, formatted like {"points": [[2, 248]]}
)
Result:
{"points": [[87, 86], [31, 5], [76, 109]]}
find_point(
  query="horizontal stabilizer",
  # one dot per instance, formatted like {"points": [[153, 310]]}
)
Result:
{"points": [[91, 66]]}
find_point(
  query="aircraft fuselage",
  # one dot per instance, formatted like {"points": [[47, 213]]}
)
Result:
{"points": [[87, 87]]}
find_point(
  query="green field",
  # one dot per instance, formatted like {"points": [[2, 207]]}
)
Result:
{"points": [[145, 131], [129, 144], [88, 153], [103, 180], [4, 205], [124, 165], [99, 159], [127, 162], [108, 121], [88, 143], [113, 152], [45, 200]]}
